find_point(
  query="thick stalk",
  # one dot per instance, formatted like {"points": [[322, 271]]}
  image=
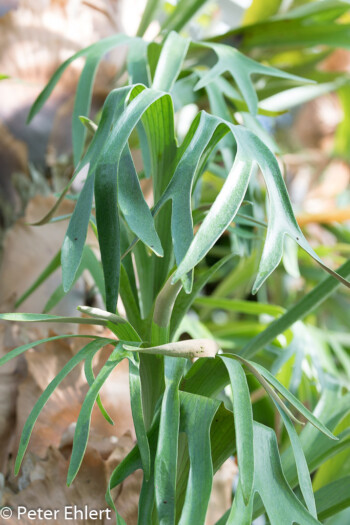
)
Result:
{"points": [[152, 366]]}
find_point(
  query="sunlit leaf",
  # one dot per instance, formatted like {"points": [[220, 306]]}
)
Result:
{"points": [[241, 68]]}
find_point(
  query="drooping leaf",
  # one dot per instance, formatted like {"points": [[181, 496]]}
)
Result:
{"points": [[118, 325], [89, 350], [287, 395], [138, 417], [300, 461], [243, 418], [97, 49], [307, 304], [281, 218], [106, 188], [90, 378], [83, 423], [107, 220], [82, 103], [114, 103], [133, 205], [281, 504], [23, 348]]}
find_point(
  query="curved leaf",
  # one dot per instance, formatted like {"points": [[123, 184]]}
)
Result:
{"points": [[23, 348], [133, 205], [81, 433], [47, 318], [300, 461], [281, 504], [97, 49], [114, 103], [138, 417], [90, 349], [90, 378], [82, 103], [74, 241], [289, 397], [307, 304], [118, 325], [243, 419], [241, 68], [106, 188]]}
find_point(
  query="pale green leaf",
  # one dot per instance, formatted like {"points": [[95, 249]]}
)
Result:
{"points": [[167, 448], [90, 378], [300, 461], [53, 265], [243, 418], [133, 205], [241, 68], [196, 415], [90, 349], [171, 58], [138, 417], [23, 348], [281, 504], [83, 423], [292, 399]]}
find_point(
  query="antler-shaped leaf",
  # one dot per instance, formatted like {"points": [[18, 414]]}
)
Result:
{"points": [[250, 150], [240, 68]]}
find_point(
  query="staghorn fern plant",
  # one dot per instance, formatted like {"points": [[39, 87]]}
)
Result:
{"points": [[153, 260]]}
